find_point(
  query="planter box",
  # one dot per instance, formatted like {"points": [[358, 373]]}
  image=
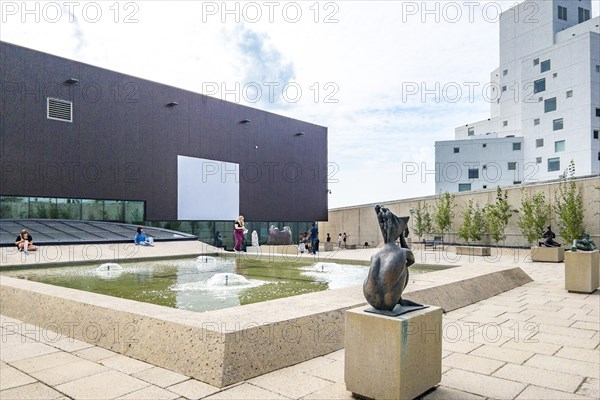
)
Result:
{"points": [[547, 254], [581, 271], [393, 357], [473, 251]]}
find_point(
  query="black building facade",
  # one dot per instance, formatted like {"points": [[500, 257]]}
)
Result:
{"points": [[70, 130]]}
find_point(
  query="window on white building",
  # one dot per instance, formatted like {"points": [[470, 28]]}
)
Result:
{"points": [[538, 160], [504, 88], [596, 134], [505, 72], [554, 164], [598, 112], [484, 145], [471, 131], [536, 62], [584, 14], [597, 68], [456, 150], [557, 124], [536, 122], [516, 182], [512, 166], [516, 146], [562, 13], [545, 66], [569, 94], [484, 166], [485, 186], [504, 123], [539, 85], [539, 142], [559, 146], [464, 187], [550, 105], [473, 173]]}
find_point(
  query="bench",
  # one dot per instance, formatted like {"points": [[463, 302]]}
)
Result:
{"points": [[437, 240]]}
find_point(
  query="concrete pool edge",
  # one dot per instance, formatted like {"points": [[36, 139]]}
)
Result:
{"points": [[227, 346]]}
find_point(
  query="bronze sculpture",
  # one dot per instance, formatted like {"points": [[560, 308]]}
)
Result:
{"points": [[388, 275], [585, 244], [549, 236]]}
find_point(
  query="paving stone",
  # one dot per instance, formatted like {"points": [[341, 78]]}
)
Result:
{"points": [[335, 391], [459, 346], [566, 340], [547, 320], [23, 351], [482, 385], [125, 364], [246, 391], [11, 377], [540, 377], [536, 393], [502, 354], [312, 364], [579, 354], [33, 391], [445, 393], [590, 388], [574, 367], [68, 372], [69, 344], [587, 318], [290, 383], [333, 372], [520, 316], [160, 376], [472, 363], [533, 347], [150, 393], [594, 326], [336, 355], [94, 353], [566, 331], [193, 389], [106, 385], [46, 361], [484, 320]]}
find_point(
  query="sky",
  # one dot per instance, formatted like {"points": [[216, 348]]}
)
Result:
{"points": [[387, 78]]}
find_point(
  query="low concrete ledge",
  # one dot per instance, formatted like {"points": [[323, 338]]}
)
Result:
{"points": [[547, 254], [227, 346], [473, 251]]}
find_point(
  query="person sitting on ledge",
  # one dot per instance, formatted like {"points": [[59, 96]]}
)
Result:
{"points": [[141, 238], [24, 242], [549, 236], [585, 244]]}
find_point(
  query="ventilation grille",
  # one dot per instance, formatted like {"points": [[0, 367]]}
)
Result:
{"points": [[60, 110]]}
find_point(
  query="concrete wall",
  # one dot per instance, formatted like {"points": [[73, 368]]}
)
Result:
{"points": [[360, 221]]}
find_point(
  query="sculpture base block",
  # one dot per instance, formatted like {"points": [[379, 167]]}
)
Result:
{"points": [[547, 254], [393, 357], [473, 251], [398, 310], [581, 271], [328, 246]]}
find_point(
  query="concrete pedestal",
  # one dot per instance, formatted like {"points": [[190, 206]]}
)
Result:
{"points": [[581, 271], [393, 357], [328, 246], [473, 251], [547, 254]]}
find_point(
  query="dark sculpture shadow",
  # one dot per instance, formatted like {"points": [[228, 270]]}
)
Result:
{"points": [[388, 275]]}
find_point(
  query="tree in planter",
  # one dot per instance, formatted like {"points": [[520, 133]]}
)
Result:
{"points": [[423, 224], [569, 207], [444, 212], [534, 216], [497, 216], [473, 226]]}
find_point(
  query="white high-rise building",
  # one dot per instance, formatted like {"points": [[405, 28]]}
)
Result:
{"points": [[545, 110]]}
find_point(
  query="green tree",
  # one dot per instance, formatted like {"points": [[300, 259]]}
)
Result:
{"points": [[497, 216], [423, 223], [444, 212], [569, 207], [473, 226], [534, 215]]}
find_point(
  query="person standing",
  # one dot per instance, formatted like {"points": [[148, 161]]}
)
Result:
{"points": [[344, 238], [238, 233], [24, 242], [314, 237], [340, 241]]}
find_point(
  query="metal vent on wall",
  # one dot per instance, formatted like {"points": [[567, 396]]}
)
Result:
{"points": [[60, 110]]}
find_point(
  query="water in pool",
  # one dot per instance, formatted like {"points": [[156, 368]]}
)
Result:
{"points": [[205, 283]]}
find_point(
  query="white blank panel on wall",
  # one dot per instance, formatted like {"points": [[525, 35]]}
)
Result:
{"points": [[207, 189]]}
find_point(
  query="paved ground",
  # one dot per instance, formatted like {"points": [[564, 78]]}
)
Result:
{"points": [[533, 342]]}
